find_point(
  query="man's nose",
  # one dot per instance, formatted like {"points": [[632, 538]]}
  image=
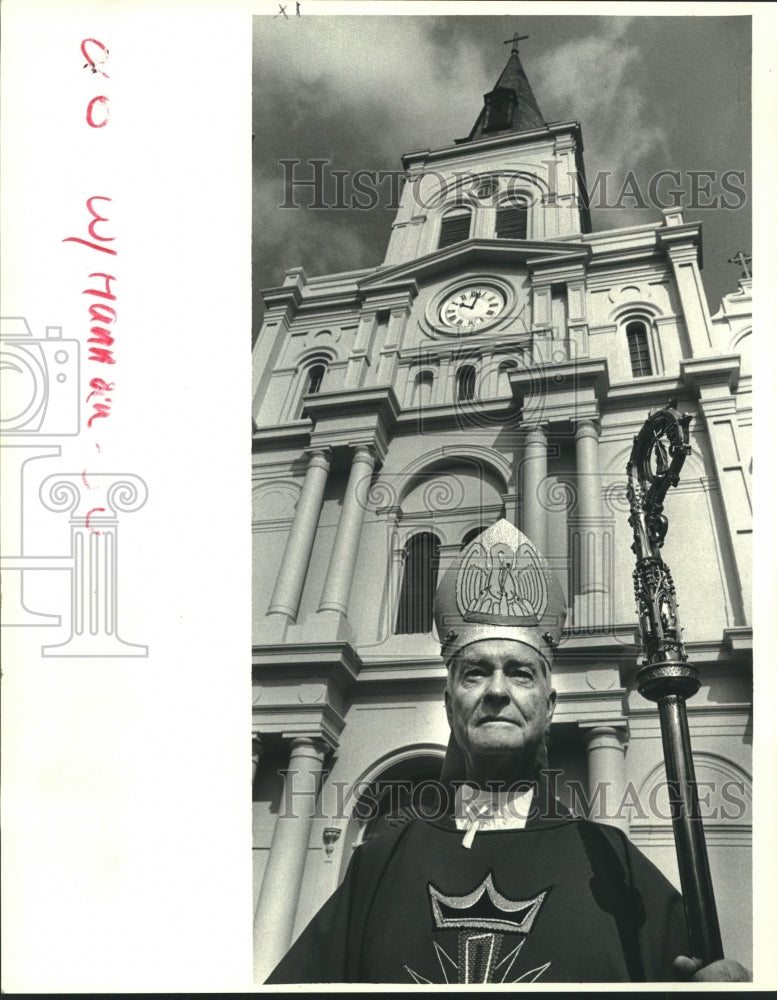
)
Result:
{"points": [[497, 685]]}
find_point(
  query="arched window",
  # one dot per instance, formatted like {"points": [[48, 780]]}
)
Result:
{"points": [[455, 227], [312, 382], [419, 582], [512, 221], [639, 350], [472, 533], [422, 389], [465, 384], [503, 382]]}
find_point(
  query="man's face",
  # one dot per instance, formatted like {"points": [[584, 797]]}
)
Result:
{"points": [[499, 700]]}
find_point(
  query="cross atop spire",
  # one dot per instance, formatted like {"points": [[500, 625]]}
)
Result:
{"points": [[514, 41], [511, 105], [744, 260]]}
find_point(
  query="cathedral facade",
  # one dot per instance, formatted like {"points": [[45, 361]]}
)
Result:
{"points": [[498, 363]]}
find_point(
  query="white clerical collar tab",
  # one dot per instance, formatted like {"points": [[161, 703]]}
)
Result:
{"points": [[480, 809]]}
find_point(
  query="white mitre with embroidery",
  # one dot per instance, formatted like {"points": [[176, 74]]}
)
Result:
{"points": [[499, 588]]}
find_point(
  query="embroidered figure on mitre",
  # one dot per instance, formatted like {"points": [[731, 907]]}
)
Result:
{"points": [[499, 587], [503, 583]]}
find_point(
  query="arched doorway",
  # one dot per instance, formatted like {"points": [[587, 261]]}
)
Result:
{"points": [[391, 792]]}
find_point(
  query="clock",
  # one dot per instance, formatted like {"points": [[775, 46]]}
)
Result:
{"points": [[472, 307]]}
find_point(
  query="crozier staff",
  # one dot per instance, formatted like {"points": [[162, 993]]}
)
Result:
{"points": [[507, 886]]}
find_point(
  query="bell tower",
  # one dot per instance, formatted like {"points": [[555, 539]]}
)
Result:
{"points": [[515, 176]]}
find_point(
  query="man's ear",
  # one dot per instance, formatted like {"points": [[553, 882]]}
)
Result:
{"points": [[551, 707], [448, 706]]}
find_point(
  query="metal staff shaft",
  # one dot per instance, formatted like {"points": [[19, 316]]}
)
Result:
{"points": [[666, 677]]}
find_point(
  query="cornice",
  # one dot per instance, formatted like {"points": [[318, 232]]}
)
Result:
{"points": [[298, 658], [572, 262], [294, 721], [283, 296], [646, 711], [349, 417], [291, 436], [301, 689], [470, 345], [701, 373], [347, 300], [403, 289], [555, 393], [455, 415], [402, 670], [648, 393], [465, 146], [738, 642], [477, 251], [678, 238]]}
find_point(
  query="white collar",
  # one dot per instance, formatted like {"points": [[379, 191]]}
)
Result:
{"points": [[479, 810]]}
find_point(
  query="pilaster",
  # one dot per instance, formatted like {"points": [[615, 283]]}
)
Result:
{"points": [[715, 381]]}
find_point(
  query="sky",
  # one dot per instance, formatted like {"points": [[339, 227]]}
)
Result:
{"points": [[651, 94]]}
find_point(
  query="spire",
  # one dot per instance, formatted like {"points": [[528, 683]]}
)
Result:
{"points": [[511, 105]]}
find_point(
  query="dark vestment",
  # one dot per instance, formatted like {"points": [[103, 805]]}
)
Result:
{"points": [[563, 900]]}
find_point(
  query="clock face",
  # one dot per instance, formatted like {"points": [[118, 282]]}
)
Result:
{"points": [[472, 307]]}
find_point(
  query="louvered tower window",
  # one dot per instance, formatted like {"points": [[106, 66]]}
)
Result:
{"points": [[455, 228], [500, 107], [512, 222], [419, 583], [639, 352]]}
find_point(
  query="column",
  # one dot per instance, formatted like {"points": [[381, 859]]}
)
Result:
{"points": [[278, 900], [534, 471], [605, 747], [589, 487], [296, 555], [342, 563], [588, 530]]}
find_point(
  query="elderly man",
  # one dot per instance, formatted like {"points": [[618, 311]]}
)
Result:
{"points": [[506, 885]]}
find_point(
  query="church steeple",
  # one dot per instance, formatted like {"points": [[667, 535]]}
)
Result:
{"points": [[511, 106]]}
